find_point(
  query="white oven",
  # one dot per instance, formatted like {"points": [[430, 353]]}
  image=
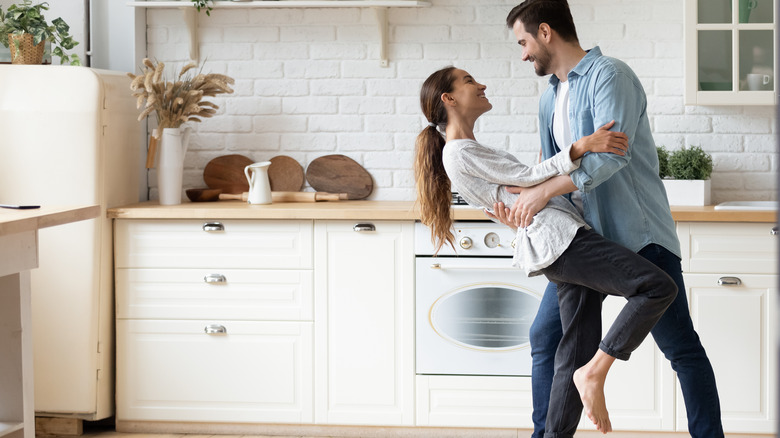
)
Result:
{"points": [[473, 309]]}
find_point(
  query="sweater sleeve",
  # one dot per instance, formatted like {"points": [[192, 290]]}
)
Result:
{"points": [[503, 168]]}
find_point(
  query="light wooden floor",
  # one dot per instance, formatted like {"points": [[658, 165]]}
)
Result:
{"points": [[106, 429]]}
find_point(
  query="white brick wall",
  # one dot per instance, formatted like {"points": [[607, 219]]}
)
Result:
{"points": [[309, 83]]}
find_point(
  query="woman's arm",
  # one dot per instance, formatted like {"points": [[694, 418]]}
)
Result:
{"points": [[603, 140]]}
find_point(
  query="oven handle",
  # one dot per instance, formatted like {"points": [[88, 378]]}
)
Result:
{"points": [[441, 267]]}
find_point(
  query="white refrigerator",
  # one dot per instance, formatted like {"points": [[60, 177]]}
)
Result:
{"points": [[69, 136]]}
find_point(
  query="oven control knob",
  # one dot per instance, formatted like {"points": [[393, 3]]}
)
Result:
{"points": [[465, 243], [492, 240]]}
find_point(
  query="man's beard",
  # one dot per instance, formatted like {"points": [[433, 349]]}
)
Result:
{"points": [[542, 62]]}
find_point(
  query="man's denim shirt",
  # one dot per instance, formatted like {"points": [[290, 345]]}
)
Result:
{"points": [[623, 197]]}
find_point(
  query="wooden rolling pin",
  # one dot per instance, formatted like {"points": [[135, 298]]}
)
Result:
{"points": [[291, 196]]}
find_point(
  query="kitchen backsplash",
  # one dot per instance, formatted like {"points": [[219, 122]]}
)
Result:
{"points": [[309, 83]]}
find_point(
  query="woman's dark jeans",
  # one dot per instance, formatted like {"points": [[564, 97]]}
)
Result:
{"points": [[589, 268], [674, 335]]}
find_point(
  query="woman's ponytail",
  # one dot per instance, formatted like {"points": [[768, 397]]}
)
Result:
{"points": [[433, 186]]}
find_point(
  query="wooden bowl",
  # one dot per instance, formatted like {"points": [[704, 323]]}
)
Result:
{"points": [[203, 195]]}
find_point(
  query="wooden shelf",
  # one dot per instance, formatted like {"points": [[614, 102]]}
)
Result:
{"points": [[288, 4], [7, 428], [191, 16]]}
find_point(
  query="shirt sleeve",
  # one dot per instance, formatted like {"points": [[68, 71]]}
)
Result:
{"points": [[621, 99], [506, 169]]}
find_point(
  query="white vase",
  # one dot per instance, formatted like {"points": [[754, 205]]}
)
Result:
{"points": [[687, 192], [172, 147]]}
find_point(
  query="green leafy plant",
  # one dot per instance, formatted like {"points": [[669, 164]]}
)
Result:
{"points": [[202, 4], [26, 18], [663, 162], [686, 163]]}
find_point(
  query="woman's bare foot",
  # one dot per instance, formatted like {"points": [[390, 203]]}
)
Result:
{"points": [[590, 385]]}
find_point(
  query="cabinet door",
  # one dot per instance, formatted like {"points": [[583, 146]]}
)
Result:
{"points": [[364, 321], [737, 325], [640, 391], [729, 52], [728, 247], [474, 401], [240, 372]]}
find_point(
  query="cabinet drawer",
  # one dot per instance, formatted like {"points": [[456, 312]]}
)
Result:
{"points": [[730, 247], [258, 244], [255, 372], [234, 294]]}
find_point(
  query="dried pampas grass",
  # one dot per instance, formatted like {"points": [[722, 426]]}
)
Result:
{"points": [[180, 101]]}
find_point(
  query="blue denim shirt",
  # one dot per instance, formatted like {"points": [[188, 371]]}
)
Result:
{"points": [[623, 197]]}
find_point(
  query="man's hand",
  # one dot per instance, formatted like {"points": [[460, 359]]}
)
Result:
{"points": [[530, 200], [501, 214]]}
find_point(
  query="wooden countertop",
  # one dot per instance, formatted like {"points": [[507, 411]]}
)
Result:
{"points": [[16, 221], [369, 210]]}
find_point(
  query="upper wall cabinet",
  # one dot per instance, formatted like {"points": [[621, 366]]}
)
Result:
{"points": [[730, 52]]}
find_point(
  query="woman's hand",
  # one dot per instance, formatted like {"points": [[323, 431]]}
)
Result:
{"points": [[603, 140], [501, 214]]}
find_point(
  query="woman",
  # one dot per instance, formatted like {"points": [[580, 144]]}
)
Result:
{"points": [[557, 243]]}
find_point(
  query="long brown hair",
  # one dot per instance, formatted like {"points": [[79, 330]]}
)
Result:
{"points": [[433, 186]]}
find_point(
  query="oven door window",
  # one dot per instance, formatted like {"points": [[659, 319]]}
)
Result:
{"points": [[485, 317]]}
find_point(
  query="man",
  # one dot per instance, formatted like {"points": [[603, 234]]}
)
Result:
{"points": [[621, 197]]}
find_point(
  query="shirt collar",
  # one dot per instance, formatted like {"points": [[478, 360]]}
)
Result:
{"points": [[582, 67]]}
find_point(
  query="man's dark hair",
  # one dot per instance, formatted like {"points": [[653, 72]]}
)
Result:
{"points": [[555, 13]]}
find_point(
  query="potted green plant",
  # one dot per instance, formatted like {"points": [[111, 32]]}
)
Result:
{"points": [[24, 29], [686, 175]]}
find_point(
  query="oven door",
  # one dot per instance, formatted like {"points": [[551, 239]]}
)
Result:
{"points": [[474, 315]]}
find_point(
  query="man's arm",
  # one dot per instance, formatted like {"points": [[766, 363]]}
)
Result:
{"points": [[620, 98]]}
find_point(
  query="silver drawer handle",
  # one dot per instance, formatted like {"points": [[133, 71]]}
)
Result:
{"points": [[215, 329], [215, 279], [773, 231], [213, 226], [441, 267], [729, 281], [364, 227]]}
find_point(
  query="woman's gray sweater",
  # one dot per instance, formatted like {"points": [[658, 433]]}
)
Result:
{"points": [[481, 174]]}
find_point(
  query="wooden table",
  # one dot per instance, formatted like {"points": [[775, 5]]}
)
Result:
{"points": [[18, 255]]}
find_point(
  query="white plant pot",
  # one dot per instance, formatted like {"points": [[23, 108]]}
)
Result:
{"points": [[687, 192]]}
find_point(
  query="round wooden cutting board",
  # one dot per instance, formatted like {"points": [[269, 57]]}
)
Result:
{"points": [[227, 173], [339, 174], [285, 174]]}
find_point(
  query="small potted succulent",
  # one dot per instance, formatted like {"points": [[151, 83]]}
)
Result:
{"points": [[686, 175], [24, 30]]}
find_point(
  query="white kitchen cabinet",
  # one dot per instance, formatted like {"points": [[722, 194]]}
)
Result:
{"points": [[214, 371], [214, 321], [730, 52], [474, 401], [732, 288], [364, 322]]}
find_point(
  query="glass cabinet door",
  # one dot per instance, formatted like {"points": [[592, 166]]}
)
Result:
{"points": [[730, 52]]}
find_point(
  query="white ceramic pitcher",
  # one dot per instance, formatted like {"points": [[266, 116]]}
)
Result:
{"points": [[259, 185], [173, 146]]}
